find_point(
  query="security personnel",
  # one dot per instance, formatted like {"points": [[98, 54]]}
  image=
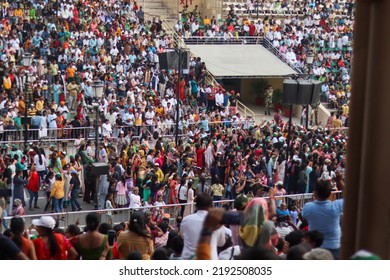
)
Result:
{"points": [[268, 100]]}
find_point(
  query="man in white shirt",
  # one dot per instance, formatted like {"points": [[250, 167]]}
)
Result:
{"points": [[107, 129], [181, 190], [63, 110], [114, 51], [192, 225], [291, 57], [149, 115], [52, 122], [219, 99]]}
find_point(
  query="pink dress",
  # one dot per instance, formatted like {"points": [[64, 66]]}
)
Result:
{"points": [[120, 198]]}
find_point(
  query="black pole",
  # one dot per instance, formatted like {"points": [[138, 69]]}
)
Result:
{"points": [[257, 9], [288, 146], [97, 134], [26, 102], [307, 117], [178, 100]]}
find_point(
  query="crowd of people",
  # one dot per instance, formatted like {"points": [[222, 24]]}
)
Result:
{"points": [[255, 229], [219, 154], [321, 29]]}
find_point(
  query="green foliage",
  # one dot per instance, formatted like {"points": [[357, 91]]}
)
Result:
{"points": [[277, 96], [258, 87]]}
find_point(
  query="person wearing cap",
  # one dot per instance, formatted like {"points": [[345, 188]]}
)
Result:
{"points": [[318, 254], [51, 245]]}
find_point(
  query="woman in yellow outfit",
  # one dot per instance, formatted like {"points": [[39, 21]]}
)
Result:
{"points": [[57, 194]]}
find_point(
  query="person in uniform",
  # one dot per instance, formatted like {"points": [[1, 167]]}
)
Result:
{"points": [[268, 100]]}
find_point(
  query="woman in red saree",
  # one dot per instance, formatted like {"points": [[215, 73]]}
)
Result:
{"points": [[50, 245]]}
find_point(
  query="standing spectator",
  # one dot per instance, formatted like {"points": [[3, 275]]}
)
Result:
{"points": [[324, 215], [57, 193], [19, 185], [33, 188], [74, 190]]}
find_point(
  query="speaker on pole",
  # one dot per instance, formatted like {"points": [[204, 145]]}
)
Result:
{"points": [[305, 91], [316, 92], [170, 60], [100, 168], [163, 60], [185, 60], [290, 92]]}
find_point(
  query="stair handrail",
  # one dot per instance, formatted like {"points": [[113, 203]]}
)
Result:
{"points": [[180, 42], [270, 47]]}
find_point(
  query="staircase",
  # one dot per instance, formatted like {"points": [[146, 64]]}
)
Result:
{"points": [[329, 107], [158, 9]]}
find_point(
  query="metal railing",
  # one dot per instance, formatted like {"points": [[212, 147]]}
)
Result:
{"points": [[177, 40], [69, 134], [46, 135], [242, 9], [210, 79], [220, 40], [244, 110], [118, 215], [270, 47]]}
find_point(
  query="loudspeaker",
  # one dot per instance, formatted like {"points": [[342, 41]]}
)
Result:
{"points": [[290, 92], [170, 60], [163, 60], [99, 168], [305, 91], [316, 92], [185, 60]]}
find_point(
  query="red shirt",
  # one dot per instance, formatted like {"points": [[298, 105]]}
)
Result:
{"points": [[33, 183], [252, 30]]}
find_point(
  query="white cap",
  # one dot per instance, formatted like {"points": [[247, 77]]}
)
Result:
{"points": [[318, 254], [45, 221]]}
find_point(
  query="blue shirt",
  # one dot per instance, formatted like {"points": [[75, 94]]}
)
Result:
{"points": [[282, 212], [324, 216], [205, 125]]}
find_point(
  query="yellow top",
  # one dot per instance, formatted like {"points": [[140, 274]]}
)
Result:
{"points": [[160, 175], [217, 189], [58, 190], [39, 105]]}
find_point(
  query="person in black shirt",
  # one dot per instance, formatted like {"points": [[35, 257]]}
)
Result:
{"points": [[74, 191]]}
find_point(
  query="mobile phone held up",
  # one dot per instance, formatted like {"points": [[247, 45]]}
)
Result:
{"points": [[111, 237], [232, 218]]}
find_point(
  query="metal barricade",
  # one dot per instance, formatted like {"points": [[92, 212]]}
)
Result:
{"points": [[169, 211]]}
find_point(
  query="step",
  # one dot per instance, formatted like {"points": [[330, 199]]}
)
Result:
{"points": [[152, 1], [153, 5], [157, 10]]}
